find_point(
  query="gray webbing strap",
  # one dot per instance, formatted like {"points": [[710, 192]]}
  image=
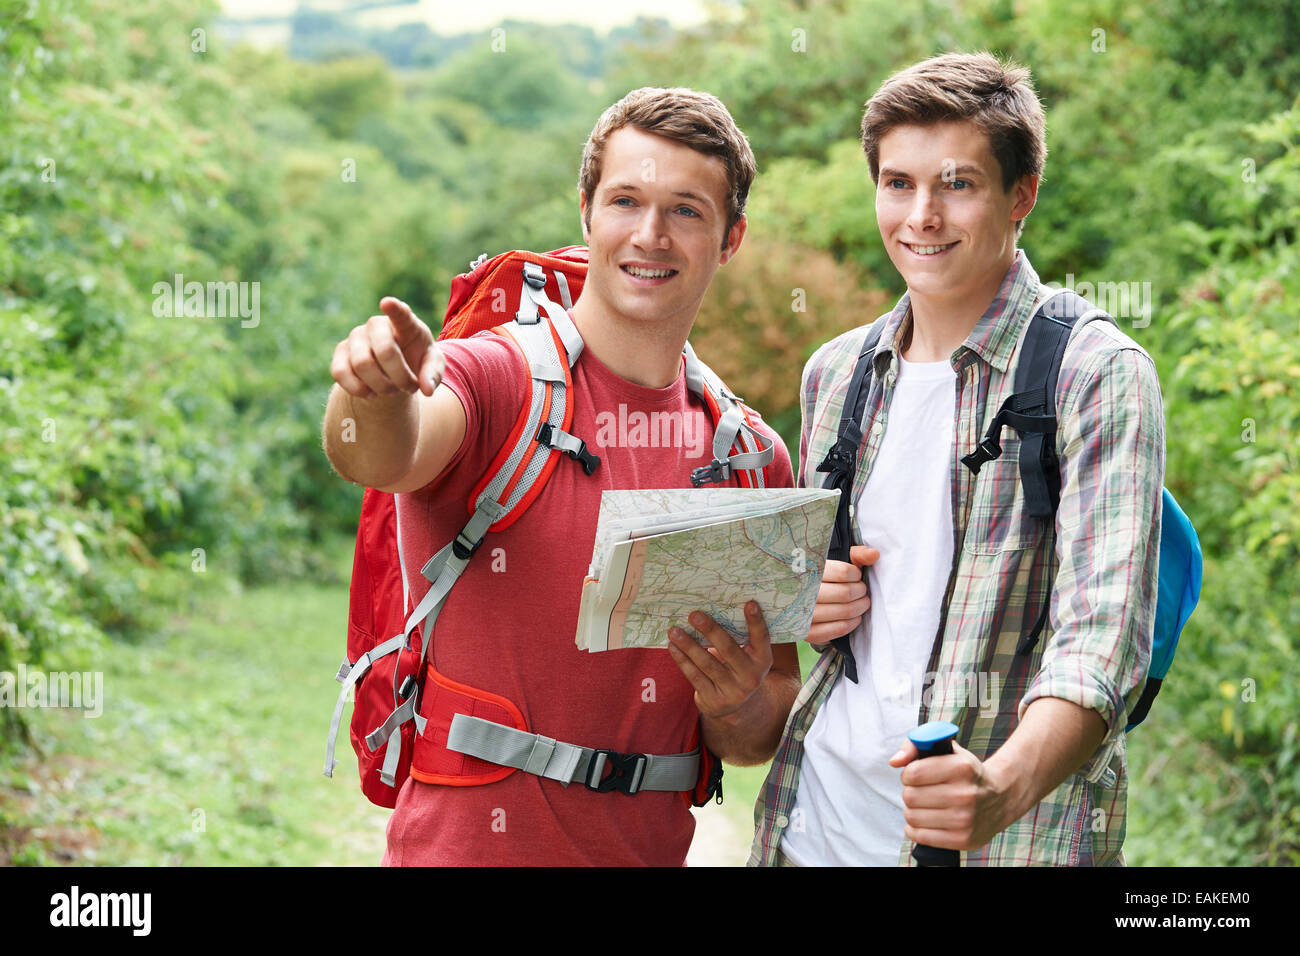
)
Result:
{"points": [[568, 332], [534, 282], [566, 442], [546, 373], [728, 427], [732, 428], [562, 281], [694, 371], [444, 568], [555, 760], [404, 712], [344, 668], [355, 674], [388, 772]]}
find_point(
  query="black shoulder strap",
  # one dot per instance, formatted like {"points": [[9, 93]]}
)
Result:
{"points": [[841, 463], [1031, 411]]}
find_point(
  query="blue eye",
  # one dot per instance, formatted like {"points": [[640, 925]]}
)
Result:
{"points": [[621, 200], [963, 182], [892, 181], [689, 211]]}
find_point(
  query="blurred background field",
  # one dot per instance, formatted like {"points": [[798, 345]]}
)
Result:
{"points": [[167, 516]]}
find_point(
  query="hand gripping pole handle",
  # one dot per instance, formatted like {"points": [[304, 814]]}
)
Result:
{"points": [[934, 740]]}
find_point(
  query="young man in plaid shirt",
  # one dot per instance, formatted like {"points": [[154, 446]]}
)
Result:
{"points": [[959, 571]]}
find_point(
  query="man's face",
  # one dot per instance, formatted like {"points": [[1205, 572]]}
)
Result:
{"points": [[658, 218], [945, 220]]}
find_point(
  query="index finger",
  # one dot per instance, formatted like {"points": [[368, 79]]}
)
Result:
{"points": [[397, 310], [718, 637]]}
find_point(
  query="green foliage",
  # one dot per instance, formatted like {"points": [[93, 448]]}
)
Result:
{"points": [[129, 437]]}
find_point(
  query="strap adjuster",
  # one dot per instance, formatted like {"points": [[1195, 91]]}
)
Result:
{"points": [[546, 436], [840, 458], [534, 275], [626, 771], [463, 547], [716, 471], [988, 449]]}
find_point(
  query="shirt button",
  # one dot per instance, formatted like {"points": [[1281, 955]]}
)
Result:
{"points": [[782, 821], [877, 429], [798, 735], [890, 379]]}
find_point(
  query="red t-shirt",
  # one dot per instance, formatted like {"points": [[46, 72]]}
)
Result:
{"points": [[508, 627]]}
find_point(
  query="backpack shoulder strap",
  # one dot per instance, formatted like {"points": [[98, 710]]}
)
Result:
{"points": [[1031, 408], [841, 461], [841, 464], [733, 427], [1031, 411]]}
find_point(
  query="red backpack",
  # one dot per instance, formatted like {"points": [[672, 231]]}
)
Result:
{"points": [[481, 737]]}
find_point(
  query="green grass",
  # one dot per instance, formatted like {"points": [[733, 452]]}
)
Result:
{"points": [[209, 749]]}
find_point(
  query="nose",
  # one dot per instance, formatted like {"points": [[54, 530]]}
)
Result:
{"points": [[651, 229], [925, 214]]}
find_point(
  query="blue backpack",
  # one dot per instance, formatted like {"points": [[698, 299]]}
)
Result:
{"points": [[1031, 412]]}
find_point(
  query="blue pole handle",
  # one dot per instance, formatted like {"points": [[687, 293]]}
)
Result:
{"points": [[934, 740]]}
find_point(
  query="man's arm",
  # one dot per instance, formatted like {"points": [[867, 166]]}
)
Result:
{"points": [[385, 427], [961, 803], [744, 693]]}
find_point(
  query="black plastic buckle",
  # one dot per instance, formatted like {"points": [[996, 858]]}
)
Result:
{"points": [[716, 471], [838, 459], [464, 550], [714, 783], [624, 769], [584, 457], [987, 450]]}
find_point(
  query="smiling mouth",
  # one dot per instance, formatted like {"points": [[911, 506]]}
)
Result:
{"points": [[638, 272], [925, 251]]}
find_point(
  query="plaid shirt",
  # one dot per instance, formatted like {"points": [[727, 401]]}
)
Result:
{"points": [[1097, 566]]}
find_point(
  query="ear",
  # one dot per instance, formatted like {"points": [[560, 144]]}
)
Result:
{"points": [[734, 238], [582, 217], [1025, 193]]}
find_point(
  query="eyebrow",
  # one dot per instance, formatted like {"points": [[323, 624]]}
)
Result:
{"points": [[963, 170], [632, 187]]}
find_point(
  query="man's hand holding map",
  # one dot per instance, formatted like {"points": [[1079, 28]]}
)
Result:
{"points": [[659, 555]]}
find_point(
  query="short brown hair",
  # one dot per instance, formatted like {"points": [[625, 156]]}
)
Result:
{"points": [[694, 119], [997, 96]]}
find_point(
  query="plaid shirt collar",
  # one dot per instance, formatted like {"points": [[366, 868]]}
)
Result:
{"points": [[995, 334]]}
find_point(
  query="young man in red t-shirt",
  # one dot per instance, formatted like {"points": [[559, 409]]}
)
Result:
{"points": [[664, 181]]}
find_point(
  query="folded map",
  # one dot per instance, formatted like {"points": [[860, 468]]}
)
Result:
{"points": [[661, 554]]}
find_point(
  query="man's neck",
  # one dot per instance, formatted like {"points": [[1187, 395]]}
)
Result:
{"points": [[641, 353], [941, 323]]}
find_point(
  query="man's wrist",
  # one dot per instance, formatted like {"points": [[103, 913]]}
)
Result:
{"points": [[1012, 786]]}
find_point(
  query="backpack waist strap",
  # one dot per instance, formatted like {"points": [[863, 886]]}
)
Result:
{"points": [[556, 760]]}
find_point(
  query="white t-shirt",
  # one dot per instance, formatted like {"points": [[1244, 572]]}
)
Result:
{"points": [[848, 809]]}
